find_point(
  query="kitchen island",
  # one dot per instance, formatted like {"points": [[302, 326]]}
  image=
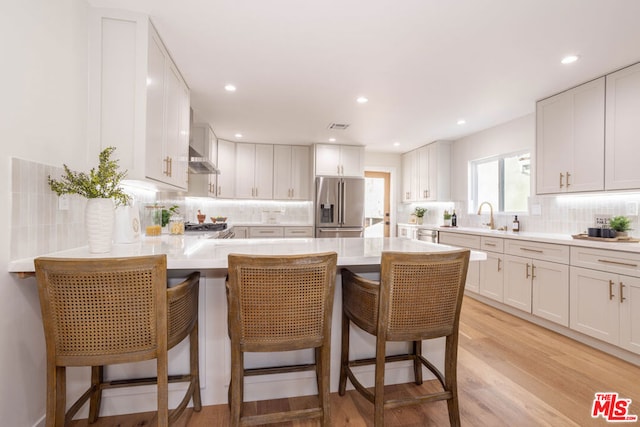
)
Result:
{"points": [[209, 256]]}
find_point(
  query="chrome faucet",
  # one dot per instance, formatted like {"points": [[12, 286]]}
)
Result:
{"points": [[491, 224]]}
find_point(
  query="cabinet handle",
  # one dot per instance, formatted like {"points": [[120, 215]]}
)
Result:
{"points": [[611, 290], [166, 166], [499, 260], [527, 276], [568, 175], [561, 176], [490, 244], [628, 264], [170, 166], [338, 167], [533, 271], [622, 298], [538, 251]]}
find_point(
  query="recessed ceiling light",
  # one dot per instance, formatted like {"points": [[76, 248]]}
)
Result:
{"points": [[362, 100], [569, 59], [332, 140], [396, 144], [461, 121], [230, 88], [238, 135]]}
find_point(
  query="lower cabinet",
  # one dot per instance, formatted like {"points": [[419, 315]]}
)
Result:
{"points": [[273, 232], [606, 306], [537, 287], [492, 270]]}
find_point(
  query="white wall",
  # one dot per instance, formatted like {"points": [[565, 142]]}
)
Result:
{"points": [[44, 112]]}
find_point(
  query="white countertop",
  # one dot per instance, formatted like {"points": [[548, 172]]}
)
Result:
{"points": [[563, 239], [194, 253]]}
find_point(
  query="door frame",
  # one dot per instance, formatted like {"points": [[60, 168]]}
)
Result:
{"points": [[386, 175]]}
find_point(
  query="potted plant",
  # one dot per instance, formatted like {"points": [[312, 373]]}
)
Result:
{"points": [[101, 188], [621, 224], [447, 218], [419, 213]]}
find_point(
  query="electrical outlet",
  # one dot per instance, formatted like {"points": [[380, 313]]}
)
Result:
{"points": [[63, 202], [632, 208], [600, 220]]}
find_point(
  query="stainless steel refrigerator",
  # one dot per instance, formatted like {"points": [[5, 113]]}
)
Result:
{"points": [[339, 207]]}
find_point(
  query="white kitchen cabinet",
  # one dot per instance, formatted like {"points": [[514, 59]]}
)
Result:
{"points": [[291, 172], [226, 164], [241, 232], [339, 160], [570, 140], [298, 231], [537, 279], [470, 242], [266, 232], [138, 100], [254, 171], [605, 296], [426, 173], [623, 129], [492, 270], [204, 142]]}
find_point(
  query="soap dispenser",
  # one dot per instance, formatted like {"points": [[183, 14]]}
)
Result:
{"points": [[515, 226]]}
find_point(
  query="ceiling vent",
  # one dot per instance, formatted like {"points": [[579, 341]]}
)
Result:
{"points": [[338, 126]]}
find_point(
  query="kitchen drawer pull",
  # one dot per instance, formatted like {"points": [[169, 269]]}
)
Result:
{"points": [[499, 260], [538, 251], [611, 290], [622, 298], [490, 244], [628, 264]]}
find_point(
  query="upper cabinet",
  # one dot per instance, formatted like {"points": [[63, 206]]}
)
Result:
{"points": [[291, 177], [426, 173], [226, 164], [254, 171], [570, 140], [204, 142], [138, 100], [623, 129], [339, 160]]}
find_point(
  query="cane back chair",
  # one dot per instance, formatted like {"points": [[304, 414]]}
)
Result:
{"points": [[418, 297], [104, 311], [280, 303]]}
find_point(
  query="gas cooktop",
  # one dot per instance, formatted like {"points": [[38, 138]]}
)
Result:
{"points": [[206, 226]]}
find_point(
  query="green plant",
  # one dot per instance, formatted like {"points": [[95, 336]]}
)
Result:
{"points": [[166, 214], [447, 215], [620, 223], [419, 212], [101, 183]]}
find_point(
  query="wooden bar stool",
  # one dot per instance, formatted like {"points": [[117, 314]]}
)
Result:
{"points": [[280, 303], [419, 297], [99, 312]]}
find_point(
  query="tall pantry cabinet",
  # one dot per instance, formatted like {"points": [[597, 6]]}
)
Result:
{"points": [[138, 100]]}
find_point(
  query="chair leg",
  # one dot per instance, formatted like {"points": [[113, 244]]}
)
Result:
{"points": [[323, 360], [236, 385], [163, 389], [194, 358], [97, 378], [344, 355], [56, 395], [417, 364], [378, 398], [451, 378]]}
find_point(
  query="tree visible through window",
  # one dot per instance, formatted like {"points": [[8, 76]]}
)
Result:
{"points": [[504, 181]]}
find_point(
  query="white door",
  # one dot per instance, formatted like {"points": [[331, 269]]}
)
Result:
{"points": [[226, 162], [594, 308], [518, 272], [629, 297], [550, 292], [492, 277], [263, 166], [300, 173]]}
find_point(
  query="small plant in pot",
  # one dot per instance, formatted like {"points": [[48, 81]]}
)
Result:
{"points": [[447, 218], [419, 213], [101, 188], [621, 224]]}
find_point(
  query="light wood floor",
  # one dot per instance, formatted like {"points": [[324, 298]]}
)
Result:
{"points": [[510, 373]]}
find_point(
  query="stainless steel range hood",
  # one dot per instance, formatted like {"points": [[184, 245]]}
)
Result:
{"points": [[201, 165]]}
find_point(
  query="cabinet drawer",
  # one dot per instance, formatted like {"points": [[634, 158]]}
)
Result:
{"points": [[265, 232], [298, 232], [492, 244], [461, 240], [536, 250], [610, 261]]}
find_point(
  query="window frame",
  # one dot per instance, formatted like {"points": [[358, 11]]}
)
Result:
{"points": [[473, 181]]}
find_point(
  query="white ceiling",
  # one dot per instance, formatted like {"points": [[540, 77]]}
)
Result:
{"points": [[299, 65]]}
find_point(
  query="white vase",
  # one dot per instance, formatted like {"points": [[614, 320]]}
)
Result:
{"points": [[99, 216]]}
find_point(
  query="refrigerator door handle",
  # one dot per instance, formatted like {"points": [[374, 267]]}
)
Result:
{"points": [[340, 203]]}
